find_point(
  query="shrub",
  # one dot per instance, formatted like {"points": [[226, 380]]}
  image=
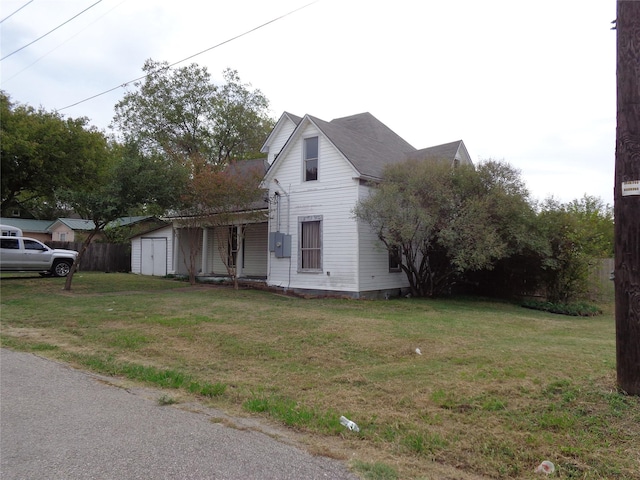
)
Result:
{"points": [[580, 309]]}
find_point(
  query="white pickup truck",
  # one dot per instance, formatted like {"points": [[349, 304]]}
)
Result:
{"points": [[22, 254]]}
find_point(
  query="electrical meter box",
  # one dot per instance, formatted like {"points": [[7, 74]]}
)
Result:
{"points": [[280, 244]]}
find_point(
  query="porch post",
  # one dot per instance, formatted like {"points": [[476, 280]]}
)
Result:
{"points": [[205, 249], [240, 253], [176, 241]]}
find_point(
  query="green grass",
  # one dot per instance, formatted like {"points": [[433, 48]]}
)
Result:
{"points": [[294, 414], [498, 388], [375, 471], [165, 399]]}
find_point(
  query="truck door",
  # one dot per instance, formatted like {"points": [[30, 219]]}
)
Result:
{"points": [[37, 256]]}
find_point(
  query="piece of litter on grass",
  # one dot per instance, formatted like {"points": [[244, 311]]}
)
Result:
{"points": [[546, 467], [418, 351], [349, 424]]}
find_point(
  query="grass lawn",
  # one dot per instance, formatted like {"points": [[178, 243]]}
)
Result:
{"points": [[496, 389]]}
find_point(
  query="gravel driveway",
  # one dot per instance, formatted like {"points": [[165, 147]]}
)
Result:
{"points": [[61, 423]]}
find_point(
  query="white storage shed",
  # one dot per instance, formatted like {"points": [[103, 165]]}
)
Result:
{"points": [[152, 252]]}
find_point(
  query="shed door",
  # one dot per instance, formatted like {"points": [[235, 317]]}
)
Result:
{"points": [[153, 253]]}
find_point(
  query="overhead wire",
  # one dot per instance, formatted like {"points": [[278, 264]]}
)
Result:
{"points": [[5, 80], [16, 11], [122, 85], [50, 31]]}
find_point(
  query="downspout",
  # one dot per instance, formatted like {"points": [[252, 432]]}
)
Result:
{"points": [[288, 223]]}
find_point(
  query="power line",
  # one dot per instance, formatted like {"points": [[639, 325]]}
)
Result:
{"points": [[192, 56], [12, 14], [50, 31], [4, 81]]}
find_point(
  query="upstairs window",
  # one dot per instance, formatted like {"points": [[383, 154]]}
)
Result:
{"points": [[310, 159]]}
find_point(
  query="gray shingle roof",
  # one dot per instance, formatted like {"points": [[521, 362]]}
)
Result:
{"points": [[370, 145], [366, 142], [245, 168], [445, 152], [294, 118]]}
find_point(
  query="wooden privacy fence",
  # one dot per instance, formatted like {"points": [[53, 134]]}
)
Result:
{"points": [[100, 257], [601, 286]]}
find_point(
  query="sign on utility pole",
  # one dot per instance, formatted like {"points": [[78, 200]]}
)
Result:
{"points": [[627, 197]]}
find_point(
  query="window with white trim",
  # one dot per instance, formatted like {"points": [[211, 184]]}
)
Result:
{"points": [[310, 244], [310, 159]]}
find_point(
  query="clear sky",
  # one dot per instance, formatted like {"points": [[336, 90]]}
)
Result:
{"points": [[531, 83]]}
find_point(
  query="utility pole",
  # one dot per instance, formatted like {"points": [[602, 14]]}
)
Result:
{"points": [[627, 197]]}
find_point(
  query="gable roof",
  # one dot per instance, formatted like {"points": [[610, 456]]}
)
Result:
{"points": [[155, 228], [447, 152], [286, 117], [294, 118], [369, 145], [74, 223]]}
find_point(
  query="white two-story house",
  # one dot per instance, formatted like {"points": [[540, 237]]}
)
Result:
{"points": [[310, 241], [318, 172]]}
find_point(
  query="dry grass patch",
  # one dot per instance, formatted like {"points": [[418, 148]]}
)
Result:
{"points": [[495, 390]]}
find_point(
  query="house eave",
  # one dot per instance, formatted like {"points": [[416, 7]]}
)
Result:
{"points": [[368, 178], [205, 217]]}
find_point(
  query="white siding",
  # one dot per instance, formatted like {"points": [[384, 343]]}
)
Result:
{"points": [[218, 238], [255, 250], [182, 252], [280, 137], [136, 257], [374, 259], [332, 196]]}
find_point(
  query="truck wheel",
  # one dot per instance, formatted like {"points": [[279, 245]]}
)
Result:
{"points": [[61, 268]]}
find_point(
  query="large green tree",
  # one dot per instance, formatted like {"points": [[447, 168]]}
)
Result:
{"points": [[42, 152], [181, 113], [596, 224], [448, 221], [134, 182], [578, 234]]}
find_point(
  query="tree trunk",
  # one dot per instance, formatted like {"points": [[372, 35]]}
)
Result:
{"points": [[626, 199], [85, 245]]}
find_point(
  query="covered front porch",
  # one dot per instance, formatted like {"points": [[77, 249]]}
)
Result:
{"points": [[217, 253]]}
